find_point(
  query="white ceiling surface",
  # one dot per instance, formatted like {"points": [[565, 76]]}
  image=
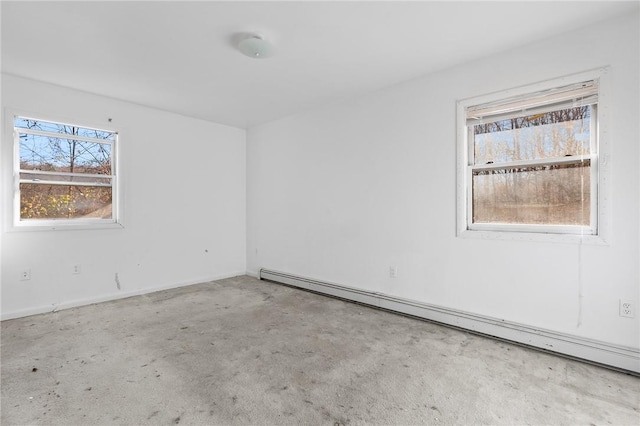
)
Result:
{"points": [[179, 56]]}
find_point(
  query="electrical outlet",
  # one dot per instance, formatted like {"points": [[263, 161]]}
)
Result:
{"points": [[393, 271], [627, 309], [76, 269], [25, 275]]}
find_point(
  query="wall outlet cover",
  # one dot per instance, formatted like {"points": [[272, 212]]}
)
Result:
{"points": [[627, 309]]}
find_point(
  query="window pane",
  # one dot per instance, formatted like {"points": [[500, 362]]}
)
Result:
{"points": [[46, 126], [556, 194], [42, 201], [553, 134], [64, 155]]}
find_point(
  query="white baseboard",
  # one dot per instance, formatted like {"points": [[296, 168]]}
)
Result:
{"points": [[616, 356], [54, 307]]}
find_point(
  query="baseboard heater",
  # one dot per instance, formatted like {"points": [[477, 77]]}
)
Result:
{"points": [[622, 358]]}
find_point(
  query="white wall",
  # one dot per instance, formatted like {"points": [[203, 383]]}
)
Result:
{"points": [[184, 207], [341, 193]]}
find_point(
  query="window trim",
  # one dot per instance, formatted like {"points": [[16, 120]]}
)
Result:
{"points": [[599, 155], [15, 223]]}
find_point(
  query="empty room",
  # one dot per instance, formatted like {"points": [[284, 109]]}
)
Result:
{"points": [[320, 212]]}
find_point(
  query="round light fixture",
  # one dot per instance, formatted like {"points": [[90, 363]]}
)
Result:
{"points": [[255, 46]]}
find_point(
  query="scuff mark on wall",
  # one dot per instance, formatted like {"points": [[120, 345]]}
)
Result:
{"points": [[117, 281]]}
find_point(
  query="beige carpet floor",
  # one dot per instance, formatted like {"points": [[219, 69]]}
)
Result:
{"points": [[246, 352]]}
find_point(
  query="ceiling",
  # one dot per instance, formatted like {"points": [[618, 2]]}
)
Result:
{"points": [[180, 56]]}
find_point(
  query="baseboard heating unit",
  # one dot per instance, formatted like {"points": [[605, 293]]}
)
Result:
{"points": [[622, 358]]}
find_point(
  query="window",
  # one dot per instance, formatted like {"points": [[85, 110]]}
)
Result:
{"points": [[528, 160], [65, 174]]}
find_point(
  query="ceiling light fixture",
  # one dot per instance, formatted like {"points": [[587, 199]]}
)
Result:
{"points": [[255, 46]]}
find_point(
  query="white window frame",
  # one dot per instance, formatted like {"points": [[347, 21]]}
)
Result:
{"points": [[598, 230], [62, 224]]}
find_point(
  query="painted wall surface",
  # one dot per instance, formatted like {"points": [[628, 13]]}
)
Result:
{"points": [[183, 183], [342, 193]]}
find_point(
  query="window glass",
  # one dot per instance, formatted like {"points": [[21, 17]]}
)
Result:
{"points": [[66, 173], [551, 194], [560, 133]]}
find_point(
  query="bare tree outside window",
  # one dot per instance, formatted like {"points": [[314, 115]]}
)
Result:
{"points": [[66, 172], [556, 193]]}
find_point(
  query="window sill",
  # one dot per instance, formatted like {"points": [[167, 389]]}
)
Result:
{"points": [[65, 226], [533, 237]]}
